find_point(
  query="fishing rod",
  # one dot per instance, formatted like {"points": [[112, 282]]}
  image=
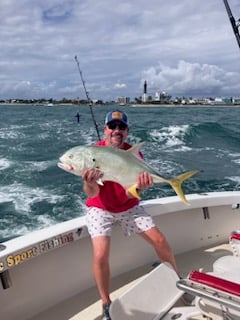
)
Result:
{"points": [[235, 25], [88, 99]]}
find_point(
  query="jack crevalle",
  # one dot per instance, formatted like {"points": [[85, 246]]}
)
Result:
{"points": [[122, 166]]}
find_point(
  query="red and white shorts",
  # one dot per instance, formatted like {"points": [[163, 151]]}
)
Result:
{"points": [[134, 220]]}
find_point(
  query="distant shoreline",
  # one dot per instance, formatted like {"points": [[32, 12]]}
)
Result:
{"points": [[38, 105], [181, 105], [128, 105]]}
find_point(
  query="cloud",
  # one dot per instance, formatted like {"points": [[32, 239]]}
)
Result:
{"points": [[179, 46], [120, 85], [192, 79]]}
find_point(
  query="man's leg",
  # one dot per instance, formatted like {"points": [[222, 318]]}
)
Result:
{"points": [[160, 244], [101, 271]]}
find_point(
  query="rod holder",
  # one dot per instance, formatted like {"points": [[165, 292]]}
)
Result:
{"points": [[5, 279]]}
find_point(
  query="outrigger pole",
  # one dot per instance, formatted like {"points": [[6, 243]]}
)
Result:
{"points": [[88, 98], [235, 24]]}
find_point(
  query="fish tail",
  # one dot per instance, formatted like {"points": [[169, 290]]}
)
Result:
{"points": [[133, 190], [176, 183]]}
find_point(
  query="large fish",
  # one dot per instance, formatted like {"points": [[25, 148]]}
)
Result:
{"points": [[122, 166]]}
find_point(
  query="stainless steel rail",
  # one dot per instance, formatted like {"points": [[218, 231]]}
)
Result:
{"points": [[209, 293]]}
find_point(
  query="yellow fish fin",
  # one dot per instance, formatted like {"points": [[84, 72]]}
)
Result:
{"points": [[176, 184], [134, 191]]}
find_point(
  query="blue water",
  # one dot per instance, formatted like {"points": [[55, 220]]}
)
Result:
{"points": [[35, 193]]}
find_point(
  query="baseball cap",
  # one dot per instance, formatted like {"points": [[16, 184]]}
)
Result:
{"points": [[116, 115]]}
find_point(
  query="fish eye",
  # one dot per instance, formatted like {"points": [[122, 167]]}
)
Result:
{"points": [[71, 156], [93, 159]]}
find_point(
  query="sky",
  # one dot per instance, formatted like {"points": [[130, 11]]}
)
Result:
{"points": [[182, 47]]}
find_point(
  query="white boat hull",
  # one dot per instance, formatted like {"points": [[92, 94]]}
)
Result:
{"points": [[49, 266]]}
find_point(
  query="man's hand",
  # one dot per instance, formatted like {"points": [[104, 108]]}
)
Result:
{"points": [[90, 185], [144, 181], [91, 175]]}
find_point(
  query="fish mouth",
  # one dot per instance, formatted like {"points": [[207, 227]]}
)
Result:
{"points": [[65, 166]]}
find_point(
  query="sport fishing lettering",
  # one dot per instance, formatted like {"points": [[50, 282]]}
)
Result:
{"points": [[40, 248], [55, 242], [14, 260]]}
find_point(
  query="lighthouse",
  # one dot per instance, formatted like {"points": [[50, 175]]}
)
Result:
{"points": [[145, 87], [144, 97]]}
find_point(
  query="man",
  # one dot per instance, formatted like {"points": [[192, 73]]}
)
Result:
{"points": [[111, 203]]}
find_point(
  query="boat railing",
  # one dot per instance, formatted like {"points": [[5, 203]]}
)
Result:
{"points": [[215, 289]]}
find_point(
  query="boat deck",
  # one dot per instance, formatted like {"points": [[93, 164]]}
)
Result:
{"points": [[88, 307]]}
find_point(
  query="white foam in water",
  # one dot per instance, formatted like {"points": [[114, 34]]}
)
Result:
{"points": [[45, 221], [12, 132], [90, 137], [235, 155], [14, 232], [234, 179], [22, 197], [4, 163], [39, 165], [135, 140], [172, 136]]}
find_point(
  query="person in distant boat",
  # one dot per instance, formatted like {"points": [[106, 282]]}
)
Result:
{"points": [[111, 203], [78, 117]]}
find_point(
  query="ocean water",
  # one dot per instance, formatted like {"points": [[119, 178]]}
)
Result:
{"points": [[35, 193]]}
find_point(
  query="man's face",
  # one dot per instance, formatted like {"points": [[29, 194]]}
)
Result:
{"points": [[116, 133]]}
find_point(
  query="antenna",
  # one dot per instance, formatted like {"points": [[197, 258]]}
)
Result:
{"points": [[235, 25], [88, 98]]}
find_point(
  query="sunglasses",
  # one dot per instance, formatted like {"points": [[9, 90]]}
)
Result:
{"points": [[120, 126]]}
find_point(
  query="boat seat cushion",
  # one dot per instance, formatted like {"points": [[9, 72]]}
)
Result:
{"points": [[150, 298], [227, 267]]}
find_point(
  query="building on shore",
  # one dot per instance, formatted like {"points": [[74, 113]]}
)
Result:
{"points": [[122, 101], [161, 97]]}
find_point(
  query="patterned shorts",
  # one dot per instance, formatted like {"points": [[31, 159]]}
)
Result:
{"points": [[134, 220]]}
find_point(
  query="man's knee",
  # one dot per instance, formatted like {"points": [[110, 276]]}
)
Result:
{"points": [[100, 259]]}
